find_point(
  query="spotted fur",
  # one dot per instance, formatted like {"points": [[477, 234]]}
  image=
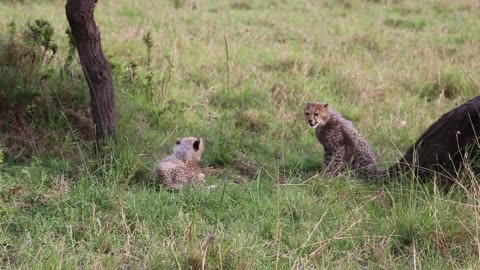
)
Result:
{"points": [[341, 141], [181, 167]]}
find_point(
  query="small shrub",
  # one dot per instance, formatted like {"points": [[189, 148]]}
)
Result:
{"points": [[417, 25], [40, 33], [224, 141], [291, 94], [250, 120], [35, 96], [165, 116], [179, 3], [283, 65], [241, 6], [244, 98], [450, 84]]}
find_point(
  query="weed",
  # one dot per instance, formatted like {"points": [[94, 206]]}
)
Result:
{"points": [[148, 42], [449, 84], [417, 25], [179, 3], [241, 6], [167, 75]]}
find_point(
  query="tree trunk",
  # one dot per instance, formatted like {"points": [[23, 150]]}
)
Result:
{"points": [[95, 66], [446, 145]]}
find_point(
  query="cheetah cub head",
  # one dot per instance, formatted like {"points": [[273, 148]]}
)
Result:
{"points": [[317, 114], [189, 148]]}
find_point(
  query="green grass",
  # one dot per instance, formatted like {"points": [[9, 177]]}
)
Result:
{"points": [[392, 67]]}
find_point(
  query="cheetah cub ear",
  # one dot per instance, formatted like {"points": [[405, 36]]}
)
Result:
{"points": [[178, 141], [196, 144], [325, 105]]}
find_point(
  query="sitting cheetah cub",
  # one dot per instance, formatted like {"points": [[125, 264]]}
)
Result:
{"points": [[181, 167], [341, 141]]}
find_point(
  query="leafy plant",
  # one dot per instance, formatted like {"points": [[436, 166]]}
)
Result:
{"points": [[40, 33]]}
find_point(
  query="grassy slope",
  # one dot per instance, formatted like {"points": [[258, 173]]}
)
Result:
{"points": [[377, 62]]}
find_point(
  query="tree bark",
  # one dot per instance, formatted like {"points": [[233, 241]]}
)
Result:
{"points": [[95, 66], [446, 145]]}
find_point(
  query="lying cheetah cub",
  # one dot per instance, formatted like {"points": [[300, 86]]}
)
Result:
{"points": [[341, 141], [181, 167]]}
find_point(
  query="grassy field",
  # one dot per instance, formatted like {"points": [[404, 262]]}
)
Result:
{"points": [[391, 66]]}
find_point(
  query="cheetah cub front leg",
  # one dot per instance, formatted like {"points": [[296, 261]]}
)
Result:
{"points": [[327, 159], [339, 154]]}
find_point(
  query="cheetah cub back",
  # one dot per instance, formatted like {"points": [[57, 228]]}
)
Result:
{"points": [[341, 141], [181, 168]]}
